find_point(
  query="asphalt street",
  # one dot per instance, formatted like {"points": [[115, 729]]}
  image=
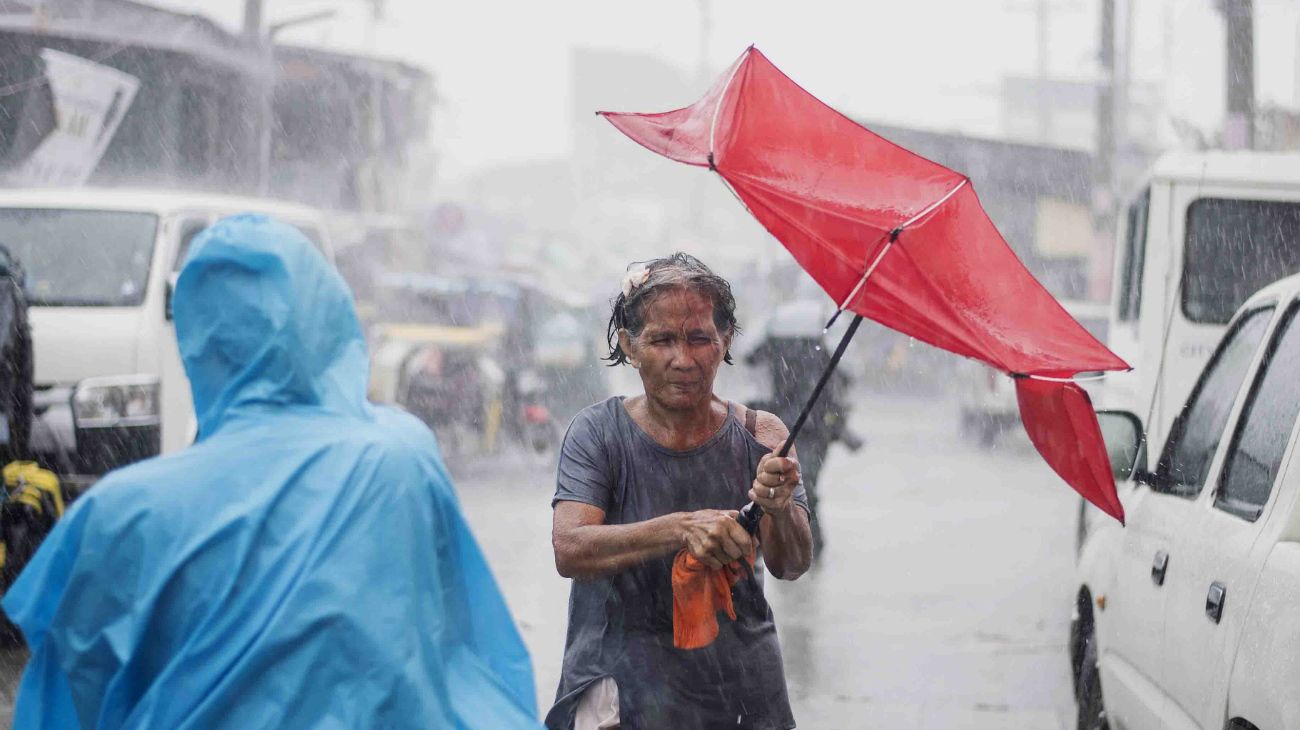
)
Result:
{"points": [[941, 601]]}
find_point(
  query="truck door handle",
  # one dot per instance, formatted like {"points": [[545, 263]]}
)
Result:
{"points": [[1158, 567], [1214, 601]]}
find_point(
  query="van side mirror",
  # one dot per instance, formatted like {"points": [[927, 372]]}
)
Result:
{"points": [[1125, 442], [171, 292]]}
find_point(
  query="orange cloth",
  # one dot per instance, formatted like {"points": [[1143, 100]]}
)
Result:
{"points": [[699, 592]]}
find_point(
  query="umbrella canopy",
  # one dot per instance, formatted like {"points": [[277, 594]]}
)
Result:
{"points": [[853, 208]]}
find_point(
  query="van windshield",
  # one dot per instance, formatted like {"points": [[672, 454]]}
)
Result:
{"points": [[1235, 247], [92, 258]]}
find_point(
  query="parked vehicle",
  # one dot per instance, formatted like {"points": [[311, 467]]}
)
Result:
{"points": [[1186, 618], [512, 359], [1206, 231], [16, 387], [100, 265]]}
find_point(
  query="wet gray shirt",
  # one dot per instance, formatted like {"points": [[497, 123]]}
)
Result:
{"points": [[622, 626]]}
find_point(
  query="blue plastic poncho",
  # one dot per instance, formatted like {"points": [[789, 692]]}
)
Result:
{"points": [[304, 565]]}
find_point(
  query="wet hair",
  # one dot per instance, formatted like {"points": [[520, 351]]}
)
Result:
{"points": [[670, 273]]}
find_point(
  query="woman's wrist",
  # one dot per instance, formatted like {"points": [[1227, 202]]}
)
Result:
{"points": [[783, 515], [676, 529]]}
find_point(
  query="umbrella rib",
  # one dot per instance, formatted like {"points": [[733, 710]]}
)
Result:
{"points": [[893, 236], [1050, 379], [933, 206], [890, 238]]}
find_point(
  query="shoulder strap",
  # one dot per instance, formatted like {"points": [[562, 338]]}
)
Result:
{"points": [[751, 421]]}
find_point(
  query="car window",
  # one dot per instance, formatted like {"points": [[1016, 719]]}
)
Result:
{"points": [[1135, 244], [1234, 248], [314, 235], [1196, 433], [1265, 427], [189, 230], [86, 258]]}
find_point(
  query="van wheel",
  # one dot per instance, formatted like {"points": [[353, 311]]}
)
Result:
{"points": [[1092, 711]]}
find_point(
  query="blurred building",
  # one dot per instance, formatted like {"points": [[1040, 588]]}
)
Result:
{"points": [[189, 125], [1058, 112], [1038, 196], [584, 216], [351, 133], [1063, 112], [348, 133], [1277, 129]]}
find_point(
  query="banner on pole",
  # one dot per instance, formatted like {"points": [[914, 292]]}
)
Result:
{"points": [[89, 102]]}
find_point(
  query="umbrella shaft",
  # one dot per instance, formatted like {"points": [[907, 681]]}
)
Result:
{"points": [[752, 513]]}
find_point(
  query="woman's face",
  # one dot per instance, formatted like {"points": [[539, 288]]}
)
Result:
{"points": [[679, 350]]}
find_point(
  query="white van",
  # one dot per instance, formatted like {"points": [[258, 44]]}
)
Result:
{"points": [[1206, 231], [100, 265]]}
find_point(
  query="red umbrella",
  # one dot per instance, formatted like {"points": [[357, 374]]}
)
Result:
{"points": [[895, 237]]}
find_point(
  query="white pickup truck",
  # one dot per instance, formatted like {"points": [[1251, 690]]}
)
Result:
{"points": [[1189, 617], [100, 264]]}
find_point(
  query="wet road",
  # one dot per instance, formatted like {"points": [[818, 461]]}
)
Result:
{"points": [[942, 600], [11, 667]]}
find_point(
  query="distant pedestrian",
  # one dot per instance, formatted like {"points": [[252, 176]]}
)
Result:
{"points": [[642, 477], [304, 565], [795, 360]]}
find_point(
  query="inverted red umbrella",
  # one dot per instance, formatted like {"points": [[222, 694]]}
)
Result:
{"points": [[895, 237]]}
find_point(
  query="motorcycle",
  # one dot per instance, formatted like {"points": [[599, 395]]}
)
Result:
{"points": [[534, 427]]}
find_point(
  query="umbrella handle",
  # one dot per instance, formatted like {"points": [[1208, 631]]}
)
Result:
{"points": [[751, 514]]}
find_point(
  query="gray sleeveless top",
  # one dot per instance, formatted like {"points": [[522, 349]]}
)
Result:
{"points": [[622, 626]]}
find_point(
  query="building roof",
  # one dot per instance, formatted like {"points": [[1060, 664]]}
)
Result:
{"points": [[126, 23], [146, 200], [390, 69]]}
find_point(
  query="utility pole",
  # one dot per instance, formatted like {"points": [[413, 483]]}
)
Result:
{"points": [[1042, 85], [1239, 24], [1043, 19], [1105, 162], [259, 42], [253, 20], [1103, 184]]}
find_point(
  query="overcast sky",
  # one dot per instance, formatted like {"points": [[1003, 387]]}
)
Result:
{"points": [[502, 67]]}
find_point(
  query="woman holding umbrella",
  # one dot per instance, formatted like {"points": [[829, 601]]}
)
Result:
{"points": [[644, 477]]}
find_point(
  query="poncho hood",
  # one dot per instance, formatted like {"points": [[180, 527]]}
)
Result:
{"points": [[262, 320]]}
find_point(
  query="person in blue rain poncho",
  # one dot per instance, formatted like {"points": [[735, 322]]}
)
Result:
{"points": [[304, 565]]}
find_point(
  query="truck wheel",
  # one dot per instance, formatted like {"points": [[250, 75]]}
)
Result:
{"points": [[1092, 711]]}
